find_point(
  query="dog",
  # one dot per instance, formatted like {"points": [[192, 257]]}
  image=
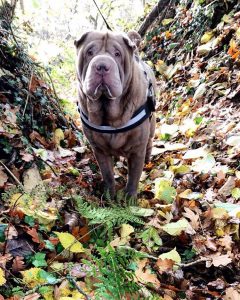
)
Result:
{"points": [[116, 103]]}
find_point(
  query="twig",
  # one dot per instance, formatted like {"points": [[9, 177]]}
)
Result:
{"points": [[38, 157], [14, 177], [198, 261], [73, 281], [28, 95]]}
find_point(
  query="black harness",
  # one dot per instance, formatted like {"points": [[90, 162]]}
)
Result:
{"points": [[144, 112]]}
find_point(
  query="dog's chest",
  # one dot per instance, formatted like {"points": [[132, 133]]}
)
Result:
{"points": [[120, 144], [113, 144]]}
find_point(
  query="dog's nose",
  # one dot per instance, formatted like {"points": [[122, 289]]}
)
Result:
{"points": [[102, 68]]}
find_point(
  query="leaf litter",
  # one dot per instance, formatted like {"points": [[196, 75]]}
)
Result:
{"points": [[181, 239]]}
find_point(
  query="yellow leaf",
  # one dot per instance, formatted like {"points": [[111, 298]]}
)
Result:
{"points": [[207, 37], [168, 34], [175, 228], [58, 136], [126, 230], [190, 195], [48, 295], [167, 21], [24, 203], [173, 255], [69, 242], [219, 213], [2, 277], [164, 190], [219, 232], [47, 217], [181, 169], [160, 66], [31, 278], [237, 173], [227, 19]]}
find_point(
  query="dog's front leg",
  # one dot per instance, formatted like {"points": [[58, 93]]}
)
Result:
{"points": [[135, 167], [105, 163]]}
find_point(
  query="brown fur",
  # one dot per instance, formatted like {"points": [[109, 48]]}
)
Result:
{"points": [[124, 84]]}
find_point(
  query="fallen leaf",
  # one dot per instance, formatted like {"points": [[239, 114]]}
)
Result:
{"points": [[3, 178], [193, 218], [195, 153], [236, 193], [226, 189], [190, 195], [32, 179], [141, 212], [218, 260], [232, 209], [34, 234], [219, 213], [34, 296], [11, 232], [204, 165], [126, 230], [69, 242], [144, 275], [226, 242], [206, 37], [175, 228], [233, 141], [58, 136], [2, 277], [165, 265], [18, 264], [164, 190], [231, 293], [171, 255], [26, 156], [200, 91]]}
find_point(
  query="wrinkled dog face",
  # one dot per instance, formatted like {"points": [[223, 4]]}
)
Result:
{"points": [[102, 60]]}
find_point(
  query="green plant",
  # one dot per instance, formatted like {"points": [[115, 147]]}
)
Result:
{"points": [[112, 270], [109, 217]]}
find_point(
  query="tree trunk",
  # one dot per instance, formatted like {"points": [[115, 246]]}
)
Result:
{"points": [[160, 7]]}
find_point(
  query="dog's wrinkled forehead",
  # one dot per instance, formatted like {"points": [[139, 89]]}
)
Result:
{"points": [[104, 38]]}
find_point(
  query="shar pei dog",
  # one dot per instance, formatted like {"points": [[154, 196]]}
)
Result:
{"points": [[116, 103]]}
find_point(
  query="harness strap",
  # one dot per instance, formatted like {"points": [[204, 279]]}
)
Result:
{"points": [[138, 118]]}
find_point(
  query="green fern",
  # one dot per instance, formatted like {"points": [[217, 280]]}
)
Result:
{"points": [[112, 269], [109, 217]]}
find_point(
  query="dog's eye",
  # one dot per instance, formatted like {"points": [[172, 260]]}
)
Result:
{"points": [[90, 52], [117, 54]]}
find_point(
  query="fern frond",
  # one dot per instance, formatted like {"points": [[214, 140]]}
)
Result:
{"points": [[116, 280], [109, 217]]}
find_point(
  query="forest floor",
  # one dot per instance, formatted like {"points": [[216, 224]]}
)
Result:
{"points": [[60, 238]]}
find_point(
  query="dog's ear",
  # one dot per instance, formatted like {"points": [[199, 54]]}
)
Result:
{"points": [[134, 37], [77, 43], [129, 43]]}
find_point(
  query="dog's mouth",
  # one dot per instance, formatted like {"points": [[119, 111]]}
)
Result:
{"points": [[102, 91]]}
